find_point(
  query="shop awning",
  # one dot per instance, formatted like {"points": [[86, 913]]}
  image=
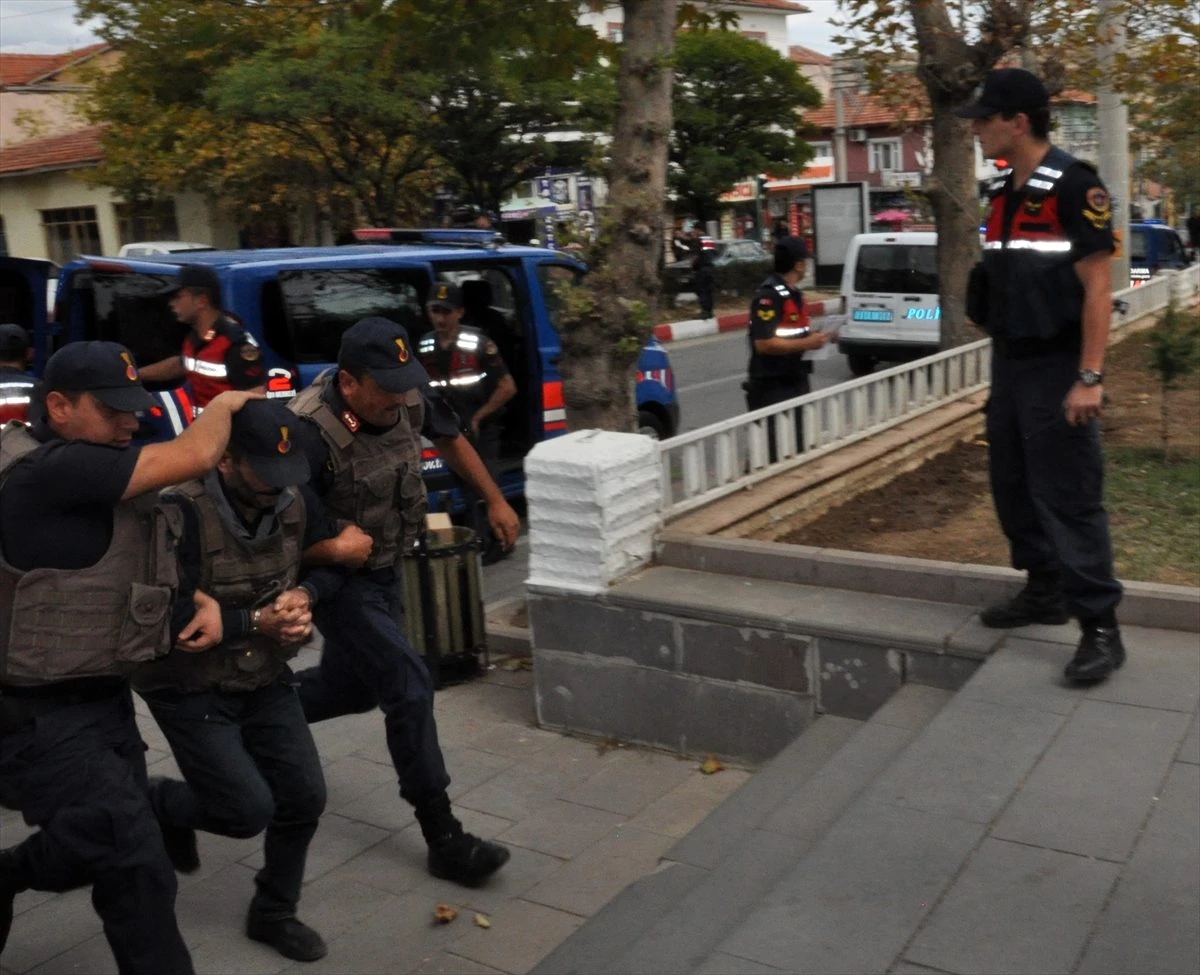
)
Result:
{"points": [[527, 208]]}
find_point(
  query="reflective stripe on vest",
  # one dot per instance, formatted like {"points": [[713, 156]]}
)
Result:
{"points": [[211, 370]]}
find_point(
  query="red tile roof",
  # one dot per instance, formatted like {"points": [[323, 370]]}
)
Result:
{"points": [[69, 151], [860, 110], [806, 55], [21, 69]]}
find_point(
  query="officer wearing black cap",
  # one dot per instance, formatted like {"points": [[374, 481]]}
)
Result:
{"points": [[231, 713], [16, 384], [466, 366], [364, 449], [218, 354], [86, 585], [1044, 297], [780, 334]]}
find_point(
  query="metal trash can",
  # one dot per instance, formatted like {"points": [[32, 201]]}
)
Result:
{"points": [[443, 604]]}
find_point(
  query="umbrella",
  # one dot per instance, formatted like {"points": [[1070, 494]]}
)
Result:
{"points": [[892, 216]]}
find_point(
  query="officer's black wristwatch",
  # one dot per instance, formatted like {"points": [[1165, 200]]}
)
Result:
{"points": [[1089, 377]]}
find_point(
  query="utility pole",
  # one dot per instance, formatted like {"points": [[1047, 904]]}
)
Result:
{"points": [[1112, 117], [841, 71]]}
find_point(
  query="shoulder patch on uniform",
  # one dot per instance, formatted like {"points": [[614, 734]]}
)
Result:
{"points": [[490, 348], [1033, 207], [251, 353], [1097, 198], [351, 421], [1098, 211], [766, 314]]}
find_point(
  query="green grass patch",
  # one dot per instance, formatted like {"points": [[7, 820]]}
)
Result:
{"points": [[1155, 513]]}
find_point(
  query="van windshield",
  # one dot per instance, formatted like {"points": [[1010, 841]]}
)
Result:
{"points": [[897, 268], [128, 308], [1137, 245]]}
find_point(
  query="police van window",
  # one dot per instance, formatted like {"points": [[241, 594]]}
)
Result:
{"points": [[1137, 244], [896, 268], [489, 300], [16, 298], [127, 308], [1172, 250], [320, 304]]}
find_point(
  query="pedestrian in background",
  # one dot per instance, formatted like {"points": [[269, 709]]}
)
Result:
{"points": [[1044, 296], [16, 383], [703, 275]]}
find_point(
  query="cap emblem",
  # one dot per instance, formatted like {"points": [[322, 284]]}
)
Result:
{"points": [[131, 372], [442, 293], [403, 355], [285, 444]]}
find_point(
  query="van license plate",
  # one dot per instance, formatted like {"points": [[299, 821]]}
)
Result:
{"points": [[872, 315]]}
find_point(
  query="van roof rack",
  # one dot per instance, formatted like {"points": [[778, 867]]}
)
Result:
{"points": [[438, 236]]}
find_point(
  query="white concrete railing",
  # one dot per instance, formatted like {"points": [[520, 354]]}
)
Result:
{"points": [[701, 466]]}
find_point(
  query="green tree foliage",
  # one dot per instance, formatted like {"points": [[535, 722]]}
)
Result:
{"points": [[736, 105], [1173, 353]]}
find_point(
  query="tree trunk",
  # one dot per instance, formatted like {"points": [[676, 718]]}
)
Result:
{"points": [[956, 211], [609, 317]]}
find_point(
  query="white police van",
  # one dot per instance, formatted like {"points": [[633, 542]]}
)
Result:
{"points": [[890, 299]]}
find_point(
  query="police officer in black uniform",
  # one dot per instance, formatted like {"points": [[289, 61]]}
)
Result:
{"points": [[77, 505], [466, 366], [231, 713], [779, 336], [703, 273], [16, 384], [362, 436], [1044, 296]]}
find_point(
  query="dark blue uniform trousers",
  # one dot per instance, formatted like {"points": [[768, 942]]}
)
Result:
{"points": [[1047, 480], [367, 662], [250, 764], [79, 774]]}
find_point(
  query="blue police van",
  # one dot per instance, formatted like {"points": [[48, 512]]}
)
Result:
{"points": [[1154, 246], [298, 301]]}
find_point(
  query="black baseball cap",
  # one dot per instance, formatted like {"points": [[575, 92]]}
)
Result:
{"points": [[382, 347], [197, 277], [14, 341], [789, 250], [445, 295], [104, 369], [1007, 90], [263, 430]]}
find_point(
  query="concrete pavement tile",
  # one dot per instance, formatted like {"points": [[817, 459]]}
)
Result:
{"points": [[51, 928], [335, 905], [1154, 676], [816, 805], [1067, 634], [1023, 674], [586, 883], [968, 760], [677, 812], [889, 621], [521, 935], [630, 786], [720, 963], [486, 702], [912, 706], [348, 778], [683, 936], [1050, 898], [593, 948], [562, 829], [446, 963], [396, 865], [854, 901], [975, 639], [93, 957], [530, 783], [1092, 790], [740, 601], [903, 967], [338, 841], [381, 807], [345, 735], [1150, 925], [710, 842], [217, 853], [397, 938], [1190, 750], [509, 739], [525, 869]]}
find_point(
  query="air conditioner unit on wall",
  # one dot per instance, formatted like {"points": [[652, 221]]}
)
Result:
{"points": [[858, 135]]}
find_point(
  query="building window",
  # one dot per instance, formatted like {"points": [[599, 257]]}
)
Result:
{"points": [[885, 156], [756, 35], [615, 32], [70, 231], [146, 221], [822, 148]]}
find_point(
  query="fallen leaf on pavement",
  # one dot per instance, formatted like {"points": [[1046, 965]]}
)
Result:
{"points": [[517, 663], [482, 921], [711, 765], [444, 914]]}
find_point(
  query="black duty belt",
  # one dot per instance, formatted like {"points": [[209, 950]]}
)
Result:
{"points": [[19, 706]]}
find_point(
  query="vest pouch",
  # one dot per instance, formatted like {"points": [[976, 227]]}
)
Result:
{"points": [[413, 503], [146, 631]]}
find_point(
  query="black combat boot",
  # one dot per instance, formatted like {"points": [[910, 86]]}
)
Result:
{"points": [[1100, 653], [1041, 601], [180, 841], [290, 936], [456, 855], [10, 886]]}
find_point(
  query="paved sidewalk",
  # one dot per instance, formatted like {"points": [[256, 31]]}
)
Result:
{"points": [[583, 821]]}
